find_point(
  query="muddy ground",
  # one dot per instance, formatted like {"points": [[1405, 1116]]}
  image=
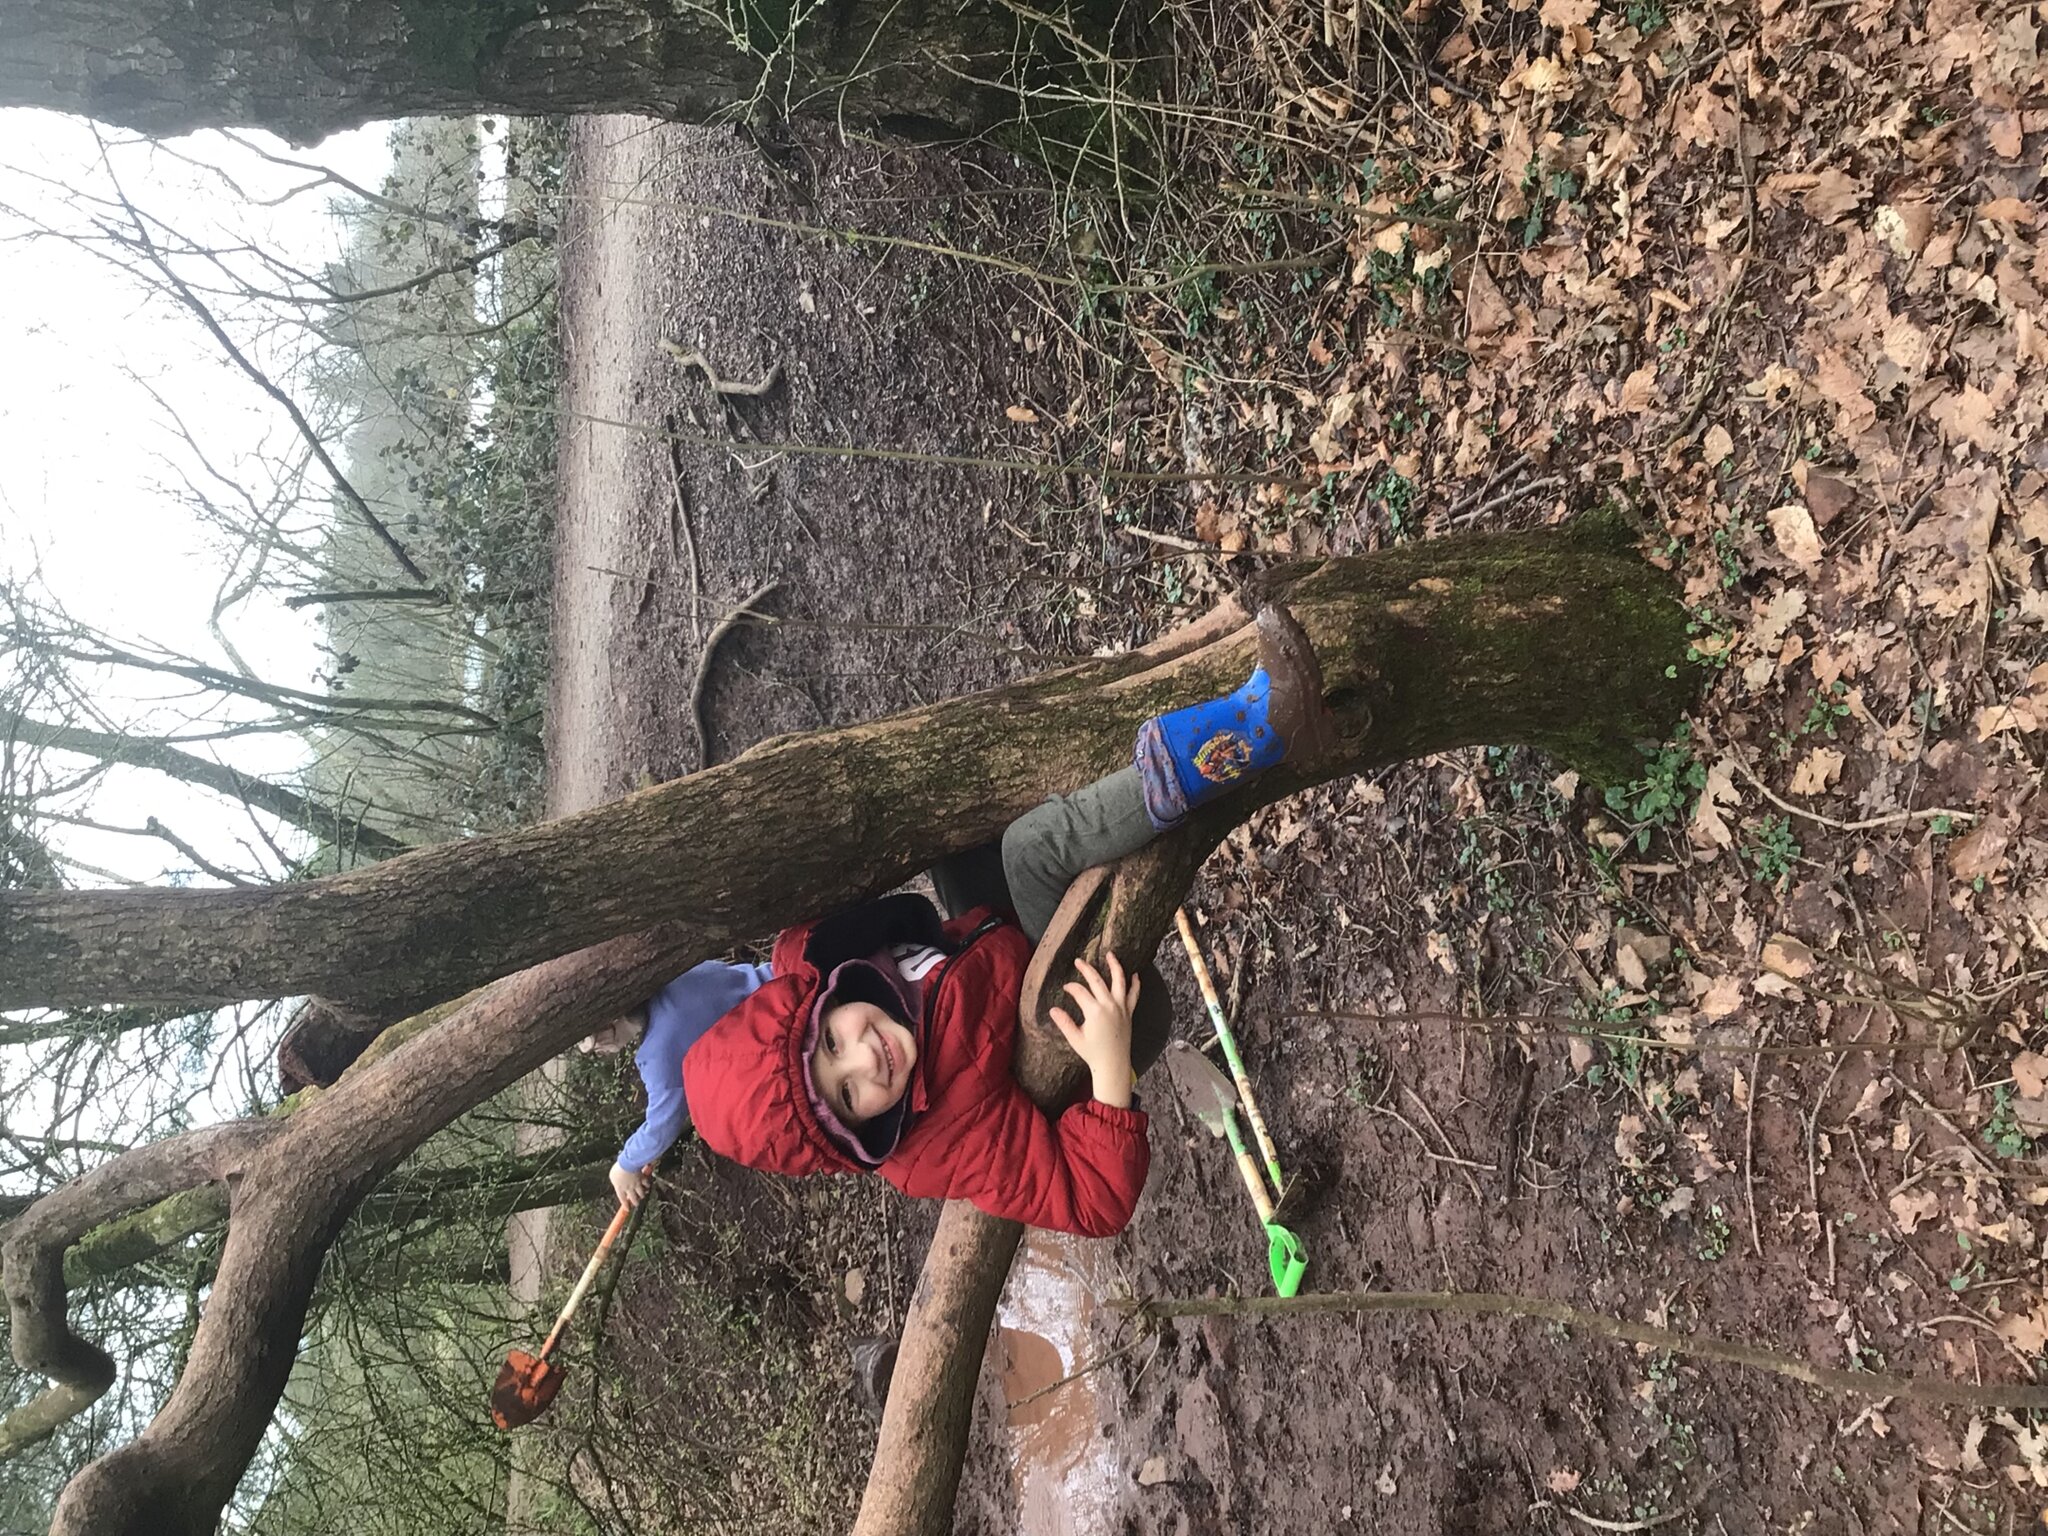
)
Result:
{"points": [[1447, 1158]]}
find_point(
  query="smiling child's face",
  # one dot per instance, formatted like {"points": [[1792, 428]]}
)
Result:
{"points": [[861, 1063]]}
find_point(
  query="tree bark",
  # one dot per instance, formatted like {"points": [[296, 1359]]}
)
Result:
{"points": [[166, 67], [1558, 640], [915, 1476]]}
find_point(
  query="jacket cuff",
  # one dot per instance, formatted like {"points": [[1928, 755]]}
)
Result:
{"points": [[1133, 1120]]}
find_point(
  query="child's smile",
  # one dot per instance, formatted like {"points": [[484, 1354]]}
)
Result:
{"points": [[863, 1060]]}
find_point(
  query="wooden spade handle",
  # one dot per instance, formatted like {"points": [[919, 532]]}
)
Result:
{"points": [[1248, 1165], [611, 1235]]}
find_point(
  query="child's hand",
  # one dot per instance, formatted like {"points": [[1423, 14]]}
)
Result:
{"points": [[630, 1187], [1103, 1037]]}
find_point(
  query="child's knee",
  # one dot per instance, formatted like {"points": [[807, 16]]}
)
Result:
{"points": [[1024, 842]]}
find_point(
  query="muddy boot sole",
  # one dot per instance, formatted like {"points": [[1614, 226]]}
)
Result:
{"points": [[1295, 709]]}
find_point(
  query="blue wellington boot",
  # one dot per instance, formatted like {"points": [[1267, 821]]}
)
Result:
{"points": [[1189, 757]]}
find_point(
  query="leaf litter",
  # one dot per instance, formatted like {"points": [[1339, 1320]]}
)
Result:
{"points": [[1770, 279]]}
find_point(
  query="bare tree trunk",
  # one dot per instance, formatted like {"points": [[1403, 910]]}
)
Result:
{"points": [[915, 1476], [165, 67], [329, 822], [1560, 640], [1544, 639]]}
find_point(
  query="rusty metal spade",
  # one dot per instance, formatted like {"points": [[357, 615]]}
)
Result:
{"points": [[1213, 1098]]}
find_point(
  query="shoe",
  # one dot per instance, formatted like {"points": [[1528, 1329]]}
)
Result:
{"points": [[1191, 756], [874, 1362]]}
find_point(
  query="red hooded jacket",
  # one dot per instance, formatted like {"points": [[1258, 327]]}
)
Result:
{"points": [[967, 1131]]}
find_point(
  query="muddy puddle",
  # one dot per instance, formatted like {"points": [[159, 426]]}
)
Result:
{"points": [[1048, 1326]]}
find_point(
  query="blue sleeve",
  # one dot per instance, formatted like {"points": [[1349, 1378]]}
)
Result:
{"points": [[676, 1016]]}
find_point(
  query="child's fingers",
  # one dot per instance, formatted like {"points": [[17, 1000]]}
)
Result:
{"points": [[1122, 983], [1069, 1030], [1092, 976]]}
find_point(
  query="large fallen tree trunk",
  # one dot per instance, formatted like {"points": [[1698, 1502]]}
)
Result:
{"points": [[1558, 640], [1538, 639]]}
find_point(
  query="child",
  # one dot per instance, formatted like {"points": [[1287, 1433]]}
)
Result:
{"points": [[672, 1021], [881, 1039]]}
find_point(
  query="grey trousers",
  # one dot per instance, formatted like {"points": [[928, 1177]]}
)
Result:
{"points": [[1046, 847]]}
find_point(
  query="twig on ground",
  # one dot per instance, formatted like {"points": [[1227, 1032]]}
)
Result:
{"points": [[722, 386], [1175, 541], [1506, 498], [680, 528], [1579, 1029], [1812, 1161], [1428, 1151], [1463, 1164], [1756, 1063], [1717, 324], [1621, 1525], [1465, 503], [1079, 1371], [1949, 1125], [723, 628], [1891, 819]]}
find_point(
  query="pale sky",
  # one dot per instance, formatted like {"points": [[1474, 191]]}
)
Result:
{"points": [[85, 453]]}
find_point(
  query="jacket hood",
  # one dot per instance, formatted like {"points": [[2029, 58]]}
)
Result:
{"points": [[748, 1078], [748, 1084]]}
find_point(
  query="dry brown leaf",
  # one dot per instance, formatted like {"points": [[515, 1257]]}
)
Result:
{"points": [[1021, 413], [1581, 1051], [1559, 14], [1717, 444], [2008, 210], [1816, 771], [1723, 997], [1486, 311], [1907, 345], [2030, 1074], [1639, 390], [2027, 1331], [1969, 414], [1911, 1207], [2019, 715], [1793, 531], [1788, 956], [1546, 77], [1628, 1135], [1709, 828], [1982, 853], [1561, 1480], [1834, 196], [1905, 226], [1828, 497], [1871, 1100]]}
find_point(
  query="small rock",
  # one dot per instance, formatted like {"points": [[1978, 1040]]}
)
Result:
{"points": [[1153, 1472], [856, 1286]]}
